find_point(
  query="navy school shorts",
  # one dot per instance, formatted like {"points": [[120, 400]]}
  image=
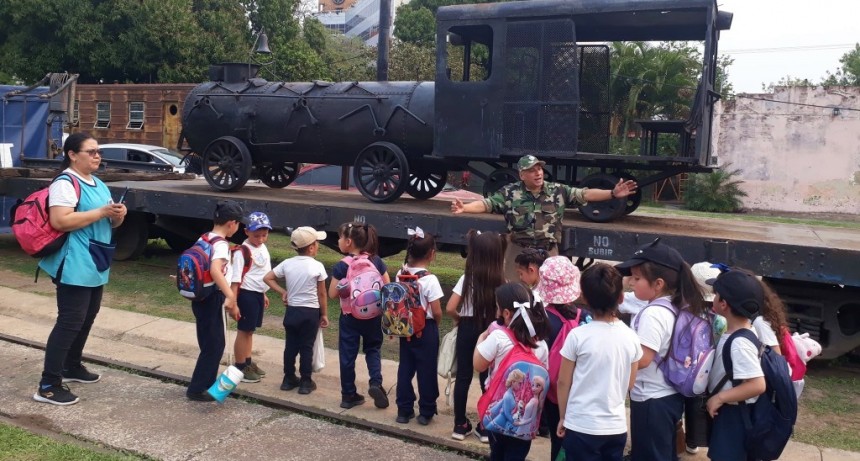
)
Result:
{"points": [[251, 307]]}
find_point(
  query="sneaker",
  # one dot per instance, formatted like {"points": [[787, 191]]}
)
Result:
{"points": [[481, 434], [404, 418], [692, 450], [250, 376], [200, 396], [290, 383], [349, 401], [461, 431], [80, 375], [306, 386], [257, 369], [380, 398], [56, 395]]}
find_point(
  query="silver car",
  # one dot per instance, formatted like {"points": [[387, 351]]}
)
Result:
{"points": [[142, 153]]}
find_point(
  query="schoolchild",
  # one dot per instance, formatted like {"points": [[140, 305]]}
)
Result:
{"points": [[208, 313], [738, 297], [657, 271], [250, 292], [771, 323], [418, 355], [558, 288], [528, 268], [526, 319], [356, 239], [598, 368], [472, 305], [306, 306]]}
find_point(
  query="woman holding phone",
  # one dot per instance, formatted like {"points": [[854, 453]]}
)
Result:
{"points": [[81, 205]]}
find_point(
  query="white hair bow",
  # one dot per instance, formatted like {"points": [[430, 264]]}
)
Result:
{"points": [[417, 232], [523, 312]]}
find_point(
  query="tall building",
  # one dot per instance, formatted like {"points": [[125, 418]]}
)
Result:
{"points": [[354, 18]]}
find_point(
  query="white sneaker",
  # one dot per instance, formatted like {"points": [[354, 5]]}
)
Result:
{"points": [[692, 450]]}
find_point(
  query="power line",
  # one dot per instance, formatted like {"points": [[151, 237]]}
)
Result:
{"points": [[789, 49]]}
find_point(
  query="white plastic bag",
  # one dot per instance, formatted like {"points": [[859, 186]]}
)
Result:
{"points": [[446, 367], [319, 352]]}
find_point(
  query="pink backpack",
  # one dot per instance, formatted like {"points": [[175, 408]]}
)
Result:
{"points": [[32, 226], [789, 351], [360, 294], [555, 351]]}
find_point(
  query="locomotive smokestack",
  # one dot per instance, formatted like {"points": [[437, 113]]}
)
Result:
{"points": [[384, 40]]}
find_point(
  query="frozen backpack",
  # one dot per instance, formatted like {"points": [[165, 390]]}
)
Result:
{"points": [[555, 351], [32, 226], [688, 362], [193, 277], [514, 398], [402, 312], [806, 347], [789, 351], [360, 290]]}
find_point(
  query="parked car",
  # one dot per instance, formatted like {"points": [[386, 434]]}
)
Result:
{"points": [[143, 153], [318, 176]]}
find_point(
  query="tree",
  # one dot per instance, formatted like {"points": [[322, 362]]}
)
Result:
{"points": [[849, 73], [718, 191], [415, 26]]}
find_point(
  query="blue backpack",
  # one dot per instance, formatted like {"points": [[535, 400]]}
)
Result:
{"points": [[769, 421], [193, 278]]}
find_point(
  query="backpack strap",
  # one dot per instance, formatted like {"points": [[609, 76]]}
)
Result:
{"points": [[727, 356], [76, 184], [661, 301]]}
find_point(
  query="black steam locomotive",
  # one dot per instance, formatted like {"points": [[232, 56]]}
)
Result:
{"points": [[542, 87]]}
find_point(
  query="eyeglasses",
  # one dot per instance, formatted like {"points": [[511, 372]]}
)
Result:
{"points": [[92, 152]]}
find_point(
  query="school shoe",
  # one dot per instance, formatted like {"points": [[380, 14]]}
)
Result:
{"points": [[56, 395], [481, 434], [349, 401], [80, 374], [249, 375], [692, 450], [380, 398], [461, 431], [424, 420], [306, 386], [257, 369], [199, 396], [290, 382], [403, 418]]}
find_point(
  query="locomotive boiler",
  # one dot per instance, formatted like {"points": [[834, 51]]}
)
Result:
{"points": [[511, 78]]}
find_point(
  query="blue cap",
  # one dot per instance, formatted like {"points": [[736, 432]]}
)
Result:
{"points": [[258, 220]]}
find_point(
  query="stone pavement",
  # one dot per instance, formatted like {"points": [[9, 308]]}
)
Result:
{"points": [[151, 416]]}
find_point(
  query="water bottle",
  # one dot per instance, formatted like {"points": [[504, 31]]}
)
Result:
{"points": [[225, 383]]}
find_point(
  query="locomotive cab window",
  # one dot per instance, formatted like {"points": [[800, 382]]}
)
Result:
{"points": [[470, 49]]}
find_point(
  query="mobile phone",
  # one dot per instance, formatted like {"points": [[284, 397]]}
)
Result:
{"points": [[122, 197]]}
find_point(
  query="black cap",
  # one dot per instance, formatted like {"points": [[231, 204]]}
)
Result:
{"points": [[741, 290], [229, 210], [655, 252]]}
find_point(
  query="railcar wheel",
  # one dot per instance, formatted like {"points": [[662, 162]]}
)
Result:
{"points": [[499, 179], [381, 172], [634, 200], [131, 237], [280, 174], [227, 164], [426, 184], [602, 211]]}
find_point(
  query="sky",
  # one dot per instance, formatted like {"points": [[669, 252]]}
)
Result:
{"points": [[771, 39]]}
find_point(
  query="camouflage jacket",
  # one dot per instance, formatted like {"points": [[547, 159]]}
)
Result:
{"points": [[534, 220]]}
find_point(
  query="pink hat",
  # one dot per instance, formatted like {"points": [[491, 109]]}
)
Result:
{"points": [[559, 281]]}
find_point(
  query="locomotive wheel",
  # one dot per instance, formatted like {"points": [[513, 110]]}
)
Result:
{"points": [[226, 164], [279, 175], [381, 172], [634, 200], [426, 184], [499, 179], [602, 211]]}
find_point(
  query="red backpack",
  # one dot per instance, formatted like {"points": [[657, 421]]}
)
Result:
{"points": [[402, 312], [555, 351], [246, 256], [31, 223], [789, 351]]}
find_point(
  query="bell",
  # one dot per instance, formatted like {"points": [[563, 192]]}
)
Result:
{"points": [[263, 44]]}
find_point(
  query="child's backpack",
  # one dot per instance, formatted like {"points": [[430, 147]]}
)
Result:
{"points": [[32, 226], [806, 347], [514, 398], [246, 257], [688, 361], [362, 284], [555, 350], [769, 422], [789, 351], [193, 278], [446, 366], [402, 312]]}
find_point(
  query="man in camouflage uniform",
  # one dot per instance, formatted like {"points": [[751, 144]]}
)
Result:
{"points": [[534, 209]]}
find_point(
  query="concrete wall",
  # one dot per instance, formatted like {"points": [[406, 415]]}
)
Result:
{"points": [[794, 156]]}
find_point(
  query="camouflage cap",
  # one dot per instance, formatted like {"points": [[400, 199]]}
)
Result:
{"points": [[528, 161]]}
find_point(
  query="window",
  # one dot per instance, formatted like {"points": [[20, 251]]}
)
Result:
{"points": [[135, 115], [76, 114], [102, 115], [469, 51]]}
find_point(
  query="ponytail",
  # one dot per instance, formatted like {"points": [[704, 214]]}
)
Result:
{"points": [[363, 236]]}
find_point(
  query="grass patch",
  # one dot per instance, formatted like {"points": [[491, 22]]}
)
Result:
{"points": [[828, 408], [18, 444]]}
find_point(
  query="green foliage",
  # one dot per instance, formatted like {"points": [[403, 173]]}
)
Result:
{"points": [[849, 73], [409, 61], [19, 444], [415, 26], [717, 192]]}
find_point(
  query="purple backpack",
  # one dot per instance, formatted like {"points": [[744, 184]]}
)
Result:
{"points": [[688, 362]]}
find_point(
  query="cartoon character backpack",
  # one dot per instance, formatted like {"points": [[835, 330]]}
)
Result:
{"points": [[32, 226], [555, 351], [514, 399], [789, 351], [193, 278], [688, 362], [402, 312], [360, 290]]}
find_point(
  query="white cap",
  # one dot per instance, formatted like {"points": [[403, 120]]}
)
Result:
{"points": [[305, 236], [702, 272]]}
